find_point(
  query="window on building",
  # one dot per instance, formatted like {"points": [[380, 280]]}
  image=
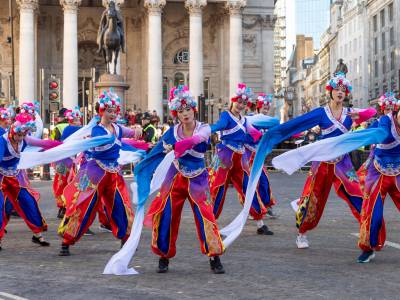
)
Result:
{"points": [[345, 50], [392, 60], [181, 57], [356, 66], [376, 68], [384, 64], [391, 36], [206, 88], [360, 64], [350, 46], [382, 14], [375, 45], [355, 45], [375, 23], [383, 41], [165, 88], [391, 12]]}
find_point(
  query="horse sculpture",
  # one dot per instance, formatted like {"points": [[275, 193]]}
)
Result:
{"points": [[110, 37]]}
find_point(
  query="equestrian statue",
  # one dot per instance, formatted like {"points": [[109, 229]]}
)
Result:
{"points": [[111, 36]]}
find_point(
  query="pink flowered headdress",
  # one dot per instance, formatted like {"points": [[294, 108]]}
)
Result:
{"points": [[28, 108], [264, 99], [73, 114], [24, 122], [5, 114], [389, 100], [339, 80], [109, 99], [180, 98], [243, 93]]}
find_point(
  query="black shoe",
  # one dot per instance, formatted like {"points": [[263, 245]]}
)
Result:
{"points": [[264, 230], [366, 256], [89, 232], [40, 241], [216, 266], [61, 212], [64, 250], [122, 243], [0, 246], [163, 265], [14, 214]]}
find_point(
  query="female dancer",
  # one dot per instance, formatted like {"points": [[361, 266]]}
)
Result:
{"points": [[187, 178], [99, 184], [232, 164], [15, 185], [382, 174], [66, 168], [334, 120], [382, 178]]}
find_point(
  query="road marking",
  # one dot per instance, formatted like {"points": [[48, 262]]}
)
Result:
{"points": [[11, 296], [387, 243]]}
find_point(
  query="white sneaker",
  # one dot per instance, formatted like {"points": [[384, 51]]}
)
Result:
{"points": [[301, 241]]}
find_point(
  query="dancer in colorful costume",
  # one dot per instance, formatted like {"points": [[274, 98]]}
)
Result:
{"points": [[65, 169], [15, 185], [386, 107], [100, 184], [187, 178], [383, 178], [263, 193], [382, 175], [334, 120], [231, 161]]}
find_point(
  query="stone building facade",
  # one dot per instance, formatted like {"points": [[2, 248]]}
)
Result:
{"points": [[208, 44]]}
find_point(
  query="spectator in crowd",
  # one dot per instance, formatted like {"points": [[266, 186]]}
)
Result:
{"points": [[156, 118], [130, 117], [138, 116], [61, 124], [149, 131]]}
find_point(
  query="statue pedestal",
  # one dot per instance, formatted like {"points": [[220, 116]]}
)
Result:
{"points": [[117, 82]]}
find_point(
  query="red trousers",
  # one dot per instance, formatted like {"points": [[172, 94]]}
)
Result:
{"points": [[61, 180], [109, 194], [25, 202], [372, 228], [233, 169], [317, 189], [166, 210]]}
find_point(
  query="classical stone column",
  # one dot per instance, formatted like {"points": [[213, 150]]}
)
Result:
{"points": [[196, 45], [70, 58], [267, 37], [235, 42], [27, 50], [154, 64]]}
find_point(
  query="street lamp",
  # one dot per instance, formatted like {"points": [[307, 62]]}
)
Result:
{"points": [[211, 102]]}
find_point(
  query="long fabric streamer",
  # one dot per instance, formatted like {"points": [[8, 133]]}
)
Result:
{"points": [[327, 149], [262, 121], [118, 264], [84, 131], [31, 159], [233, 230]]}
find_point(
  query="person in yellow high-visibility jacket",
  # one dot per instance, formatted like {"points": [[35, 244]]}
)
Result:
{"points": [[61, 124]]}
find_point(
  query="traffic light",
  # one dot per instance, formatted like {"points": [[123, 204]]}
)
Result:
{"points": [[54, 89], [54, 93]]}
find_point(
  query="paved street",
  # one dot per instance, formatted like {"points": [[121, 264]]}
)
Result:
{"points": [[257, 267]]}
